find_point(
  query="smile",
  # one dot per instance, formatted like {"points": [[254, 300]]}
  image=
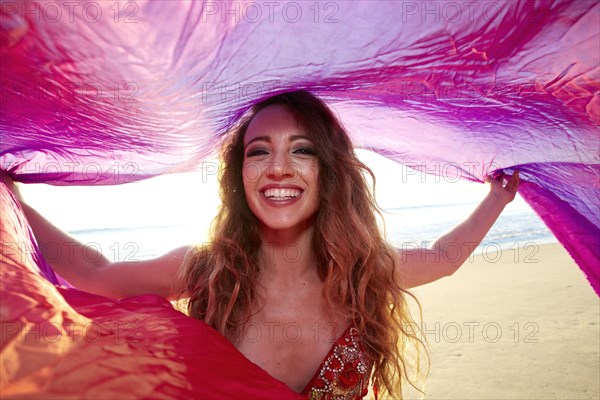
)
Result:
{"points": [[281, 194]]}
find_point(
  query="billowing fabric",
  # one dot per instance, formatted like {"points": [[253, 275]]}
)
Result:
{"points": [[63, 343], [111, 92]]}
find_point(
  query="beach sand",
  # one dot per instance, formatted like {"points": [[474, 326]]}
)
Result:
{"points": [[516, 324]]}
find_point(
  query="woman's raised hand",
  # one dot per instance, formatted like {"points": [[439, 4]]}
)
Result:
{"points": [[505, 192]]}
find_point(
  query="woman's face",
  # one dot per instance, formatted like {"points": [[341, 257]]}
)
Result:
{"points": [[280, 171]]}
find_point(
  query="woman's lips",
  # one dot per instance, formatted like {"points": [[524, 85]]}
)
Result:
{"points": [[281, 196], [281, 193]]}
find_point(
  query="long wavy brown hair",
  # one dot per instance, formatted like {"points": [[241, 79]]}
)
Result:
{"points": [[355, 262]]}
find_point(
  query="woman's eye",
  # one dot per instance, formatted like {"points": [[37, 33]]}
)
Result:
{"points": [[306, 150], [256, 152]]}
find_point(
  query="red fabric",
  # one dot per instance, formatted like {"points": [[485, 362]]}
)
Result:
{"points": [[461, 89], [64, 343]]}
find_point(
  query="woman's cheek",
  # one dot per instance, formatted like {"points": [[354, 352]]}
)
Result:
{"points": [[251, 171]]}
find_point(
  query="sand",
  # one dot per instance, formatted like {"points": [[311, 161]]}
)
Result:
{"points": [[513, 325]]}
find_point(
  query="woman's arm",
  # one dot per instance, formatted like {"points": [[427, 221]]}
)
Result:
{"points": [[88, 269], [420, 266]]}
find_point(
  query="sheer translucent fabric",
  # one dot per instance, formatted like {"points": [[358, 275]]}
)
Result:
{"points": [[102, 93]]}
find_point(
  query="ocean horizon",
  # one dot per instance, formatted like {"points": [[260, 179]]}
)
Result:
{"points": [[405, 227]]}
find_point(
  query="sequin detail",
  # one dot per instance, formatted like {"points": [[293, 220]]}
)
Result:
{"points": [[345, 372]]}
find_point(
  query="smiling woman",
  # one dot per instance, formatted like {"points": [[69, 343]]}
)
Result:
{"points": [[285, 195], [291, 180], [304, 188]]}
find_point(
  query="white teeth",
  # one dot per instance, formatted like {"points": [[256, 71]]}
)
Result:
{"points": [[281, 193]]}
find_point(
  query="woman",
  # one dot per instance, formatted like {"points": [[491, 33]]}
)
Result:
{"points": [[297, 274]]}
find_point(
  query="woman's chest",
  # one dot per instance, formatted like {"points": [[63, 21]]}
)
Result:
{"points": [[291, 349]]}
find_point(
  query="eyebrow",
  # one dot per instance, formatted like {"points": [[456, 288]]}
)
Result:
{"points": [[268, 139]]}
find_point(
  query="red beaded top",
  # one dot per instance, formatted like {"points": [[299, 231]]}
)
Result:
{"points": [[344, 373]]}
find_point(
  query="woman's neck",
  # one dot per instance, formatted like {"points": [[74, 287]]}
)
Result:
{"points": [[287, 256]]}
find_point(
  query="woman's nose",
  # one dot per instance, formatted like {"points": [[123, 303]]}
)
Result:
{"points": [[281, 166]]}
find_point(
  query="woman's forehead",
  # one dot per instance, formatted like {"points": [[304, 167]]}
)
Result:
{"points": [[273, 121]]}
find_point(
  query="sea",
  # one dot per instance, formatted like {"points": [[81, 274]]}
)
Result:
{"points": [[405, 227]]}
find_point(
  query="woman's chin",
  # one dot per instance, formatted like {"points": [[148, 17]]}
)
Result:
{"points": [[285, 228]]}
